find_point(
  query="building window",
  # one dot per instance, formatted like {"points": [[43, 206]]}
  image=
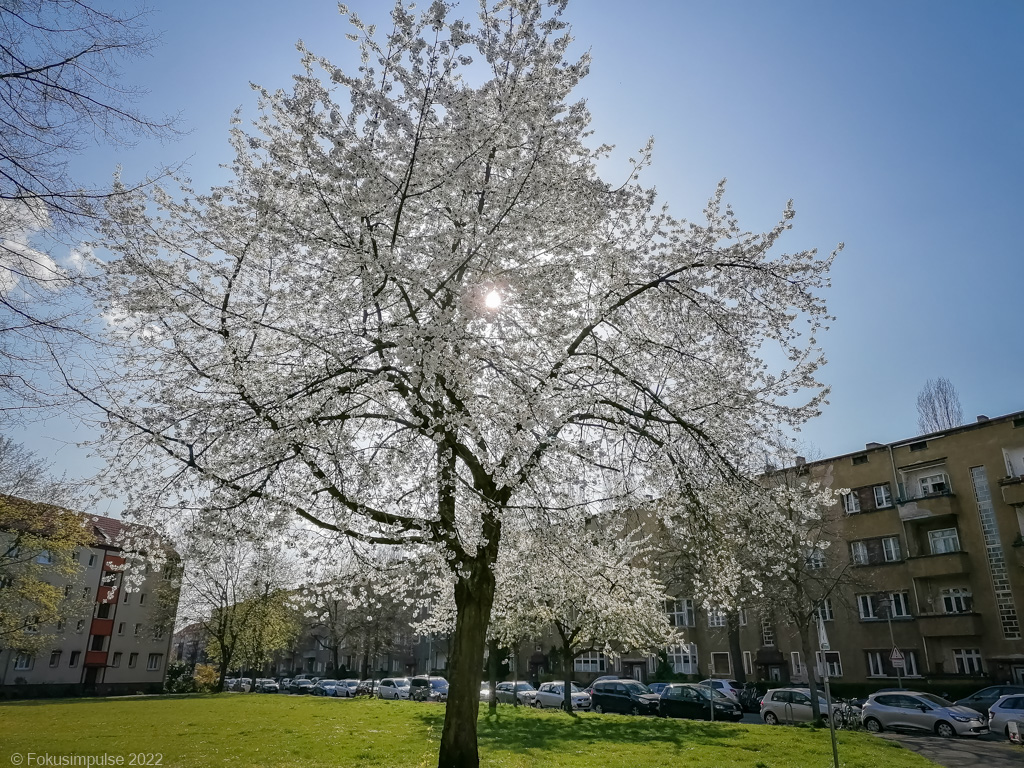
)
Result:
{"points": [[127, 598], [859, 552], [795, 663], [830, 662], [73, 660], [767, 634], [876, 664], [60, 625], [814, 560], [592, 661], [158, 633], [103, 610], [748, 663], [680, 613], [934, 484], [716, 617], [138, 630], [743, 617], [943, 541], [92, 560], [80, 626], [891, 549], [883, 496], [116, 660], [96, 642], [957, 600], [142, 598], [919, 446], [910, 664], [851, 503], [55, 659], [683, 659], [866, 606], [824, 610], [153, 663], [899, 605], [862, 459], [132, 659], [721, 662], [67, 590], [120, 628], [23, 661], [32, 625], [86, 592], [44, 558], [968, 661]]}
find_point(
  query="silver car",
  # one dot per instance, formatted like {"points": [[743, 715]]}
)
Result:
{"points": [[789, 705], [1005, 709], [553, 695], [393, 688], [508, 692], [916, 711]]}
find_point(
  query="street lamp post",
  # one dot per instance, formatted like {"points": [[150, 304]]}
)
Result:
{"points": [[885, 603]]}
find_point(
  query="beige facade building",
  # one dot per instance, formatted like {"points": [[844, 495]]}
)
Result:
{"points": [[118, 643]]}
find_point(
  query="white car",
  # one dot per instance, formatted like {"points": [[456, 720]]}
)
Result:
{"points": [[1005, 709], [730, 688], [789, 705], [553, 695], [346, 688], [393, 688]]}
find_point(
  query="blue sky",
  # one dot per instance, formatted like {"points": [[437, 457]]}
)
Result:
{"points": [[896, 127]]}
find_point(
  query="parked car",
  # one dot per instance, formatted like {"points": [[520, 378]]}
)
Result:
{"points": [[695, 702], [628, 697], [243, 684], [657, 687], [393, 688], [285, 683], [983, 700], [1003, 710], [790, 705], [427, 688], [367, 687], [730, 688], [590, 688], [485, 690], [508, 692], [266, 685], [325, 688], [300, 686], [347, 688], [916, 711], [553, 695]]}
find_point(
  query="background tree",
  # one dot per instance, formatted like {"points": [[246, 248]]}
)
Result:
{"points": [[938, 406], [270, 625], [419, 316], [591, 586]]}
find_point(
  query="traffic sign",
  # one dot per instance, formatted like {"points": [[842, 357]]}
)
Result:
{"points": [[897, 659]]}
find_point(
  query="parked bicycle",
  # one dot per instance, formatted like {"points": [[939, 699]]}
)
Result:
{"points": [[846, 715]]}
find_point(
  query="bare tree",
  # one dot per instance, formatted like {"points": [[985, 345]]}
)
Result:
{"points": [[60, 92], [938, 406]]}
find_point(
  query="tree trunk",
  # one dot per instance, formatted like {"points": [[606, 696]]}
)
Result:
{"points": [[567, 671], [735, 651], [809, 659], [474, 595], [492, 674]]}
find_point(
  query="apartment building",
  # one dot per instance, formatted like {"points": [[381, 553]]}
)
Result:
{"points": [[117, 643], [932, 535]]}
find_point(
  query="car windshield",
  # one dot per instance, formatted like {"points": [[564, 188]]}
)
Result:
{"points": [[637, 688], [400, 683], [706, 693], [524, 687], [938, 701], [303, 682], [576, 688], [328, 682], [438, 683]]}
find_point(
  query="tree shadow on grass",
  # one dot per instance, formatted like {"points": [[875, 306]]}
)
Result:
{"points": [[512, 730]]}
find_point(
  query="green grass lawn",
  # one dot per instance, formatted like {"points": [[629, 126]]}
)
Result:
{"points": [[265, 730]]}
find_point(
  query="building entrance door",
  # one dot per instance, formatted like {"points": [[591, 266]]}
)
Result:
{"points": [[91, 673], [1018, 674], [775, 673]]}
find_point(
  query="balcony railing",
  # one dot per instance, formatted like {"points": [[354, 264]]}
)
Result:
{"points": [[945, 564], [931, 505], [102, 627], [950, 624], [1013, 490], [95, 658]]}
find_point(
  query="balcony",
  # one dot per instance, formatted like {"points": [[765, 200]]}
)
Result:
{"points": [[1013, 490], [113, 563], [106, 595], [950, 624], [927, 507], [103, 627], [95, 658], [932, 566]]}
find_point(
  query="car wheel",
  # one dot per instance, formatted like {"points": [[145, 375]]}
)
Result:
{"points": [[945, 730], [635, 711], [537, 704], [873, 725], [599, 709], [770, 718]]}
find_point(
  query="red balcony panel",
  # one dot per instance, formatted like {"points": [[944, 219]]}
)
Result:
{"points": [[106, 595], [102, 627], [95, 658], [113, 563]]}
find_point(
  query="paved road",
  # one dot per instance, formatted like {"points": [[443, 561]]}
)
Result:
{"points": [[984, 752]]}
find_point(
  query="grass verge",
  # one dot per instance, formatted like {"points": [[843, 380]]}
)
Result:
{"points": [[270, 731]]}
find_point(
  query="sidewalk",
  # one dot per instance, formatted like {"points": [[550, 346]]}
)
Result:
{"points": [[984, 752]]}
